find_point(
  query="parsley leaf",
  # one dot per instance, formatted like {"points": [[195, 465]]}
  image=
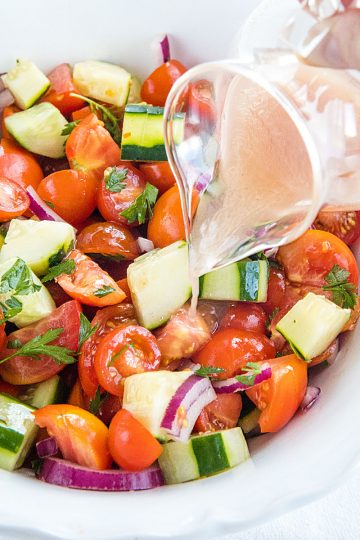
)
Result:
{"points": [[206, 371], [111, 122], [143, 205], [250, 371], [11, 307], [114, 179], [50, 204], [65, 267], [69, 127], [97, 401], [343, 292], [104, 291], [86, 329], [18, 280], [39, 345]]}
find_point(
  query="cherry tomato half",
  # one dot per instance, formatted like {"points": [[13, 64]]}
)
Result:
{"points": [[166, 225], [311, 257], [19, 165], [279, 397], [90, 147], [276, 290], [72, 194], [156, 87], [123, 352], [159, 174], [222, 413], [105, 320], [112, 203], [14, 200], [345, 225], [108, 239], [62, 85], [82, 438], [244, 316], [231, 349], [25, 370], [132, 446], [89, 283]]}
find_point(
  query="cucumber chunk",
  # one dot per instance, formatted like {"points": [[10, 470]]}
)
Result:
{"points": [[39, 243], [39, 129], [14, 275], [26, 83], [135, 90], [147, 395], [17, 432], [142, 134], [246, 281], [312, 324], [203, 455], [43, 393], [103, 81], [250, 422], [159, 283]]}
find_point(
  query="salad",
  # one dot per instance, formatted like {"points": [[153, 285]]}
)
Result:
{"points": [[110, 380]]}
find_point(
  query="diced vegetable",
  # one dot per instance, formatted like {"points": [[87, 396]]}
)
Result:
{"points": [[311, 396], [246, 281], [229, 386], [103, 81], [39, 129], [312, 324], [26, 82], [147, 396], [159, 283], [47, 447], [203, 455], [250, 422], [40, 244], [40, 394], [142, 135], [40, 208]]}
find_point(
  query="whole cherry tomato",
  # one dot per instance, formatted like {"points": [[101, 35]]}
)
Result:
{"points": [[19, 165], [159, 174], [157, 86], [245, 316]]}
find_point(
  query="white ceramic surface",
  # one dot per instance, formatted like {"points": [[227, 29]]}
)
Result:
{"points": [[310, 455]]}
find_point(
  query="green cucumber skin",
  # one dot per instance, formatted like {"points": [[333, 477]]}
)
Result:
{"points": [[132, 152], [249, 280], [210, 454], [10, 439]]}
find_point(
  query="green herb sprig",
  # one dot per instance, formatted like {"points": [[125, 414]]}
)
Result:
{"points": [[142, 207], [343, 292], [114, 179], [65, 267]]}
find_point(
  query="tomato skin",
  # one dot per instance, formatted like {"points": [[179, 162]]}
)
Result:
{"points": [[86, 279], [80, 114], [62, 85], [19, 165], [122, 352], [14, 200], [82, 438], [279, 397], [159, 174], [231, 349], [7, 111], [311, 257], [7, 388], [90, 147], [131, 445], [345, 225], [245, 316], [111, 204], [201, 107], [24, 370], [157, 86], [182, 336], [109, 405], [64, 189], [276, 290], [166, 225], [222, 413], [106, 319], [109, 239]]}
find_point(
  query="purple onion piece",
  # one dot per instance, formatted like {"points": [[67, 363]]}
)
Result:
{"points": [[165, 48], [47, 447], [40, 208], [64, 473], [6, 98], [334, 354], [186, 405], [312, 394], [232, 385]]}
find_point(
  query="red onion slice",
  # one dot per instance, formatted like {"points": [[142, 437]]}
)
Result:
{"points": [[47, 447], [145, 245], [40, 208], [312, 394], [232, 385], [64, 473], [165, 48], [6, 98], [161, 48], [186, 405]]}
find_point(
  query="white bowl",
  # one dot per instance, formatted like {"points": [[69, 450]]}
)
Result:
{"points": [[313, 453]]}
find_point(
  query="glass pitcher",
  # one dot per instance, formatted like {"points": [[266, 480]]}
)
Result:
{"points": [[268, 141]]}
